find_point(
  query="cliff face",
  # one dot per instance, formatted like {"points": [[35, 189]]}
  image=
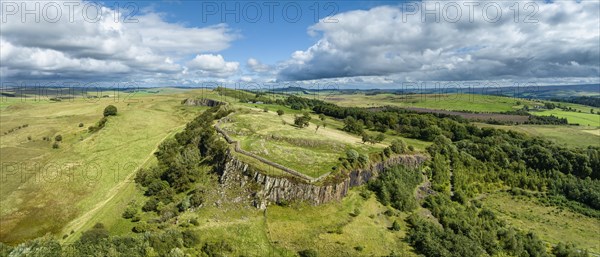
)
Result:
{"points": [[201, 102], [267, 189]]}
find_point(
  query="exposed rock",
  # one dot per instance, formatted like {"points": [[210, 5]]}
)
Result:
{"points": [[202, 102], [270, 189]]}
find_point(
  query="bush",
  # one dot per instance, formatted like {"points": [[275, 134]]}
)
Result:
{"points": [[280, 112], [398, 146], [110, 110], [81, 124], [129, 213], [55, 145], [266, 109], [58, 138], [352, 155], [190, 238], [396, 226], [308, 253]]}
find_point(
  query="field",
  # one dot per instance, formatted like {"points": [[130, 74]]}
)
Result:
{"points": [[584, 118], [572, 136], [552, 224], [450, 102], [45, 189]]}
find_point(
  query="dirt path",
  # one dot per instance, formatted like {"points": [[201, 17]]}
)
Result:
{"points": [[79, 222]]}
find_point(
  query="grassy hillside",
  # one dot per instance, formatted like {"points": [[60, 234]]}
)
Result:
{"points": [[53, 187], [307, 150]]}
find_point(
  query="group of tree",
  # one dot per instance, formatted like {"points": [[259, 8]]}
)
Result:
{"points": [[110, 110], [193, 155], [367, 138]]}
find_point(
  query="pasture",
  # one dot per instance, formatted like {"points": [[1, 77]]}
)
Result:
{"points": [[44, 188], [552, 224], [450, 102], [584, 118]]}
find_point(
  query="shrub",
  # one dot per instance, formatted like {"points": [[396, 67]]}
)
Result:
{"points": [[190, 238], [58, 138], [352, 155], [29, 138], [280, 112], [110, 110], [398, 146], [129, 213], [266, 109], [363, 159], [308, 253], [396, 226], [55, 145], [81, 124]]}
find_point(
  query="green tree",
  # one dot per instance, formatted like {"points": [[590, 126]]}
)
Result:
{"points": [[110, 110], [352, 125], [58, 138], [280, 112], [366, 138]]}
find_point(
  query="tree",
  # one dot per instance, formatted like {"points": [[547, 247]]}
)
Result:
{"points": [[352, 125], [58, 138], [55, 145], [322, 117], [302, 121], [366, 138], [110, 110], [81, 124], [280, 112]]}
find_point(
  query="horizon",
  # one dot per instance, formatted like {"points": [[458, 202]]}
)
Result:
{"points": [[352, 44]]}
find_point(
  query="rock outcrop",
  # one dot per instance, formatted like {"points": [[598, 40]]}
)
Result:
{"points": [[270, 189], [202, 102]]}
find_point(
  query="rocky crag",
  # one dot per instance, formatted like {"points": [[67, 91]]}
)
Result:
{"points": [[265, 189]]}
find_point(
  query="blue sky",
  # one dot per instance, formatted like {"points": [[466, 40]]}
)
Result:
{"points": [[351, 43]]}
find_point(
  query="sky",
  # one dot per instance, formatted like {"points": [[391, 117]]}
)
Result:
{"points": [[352, 44]]}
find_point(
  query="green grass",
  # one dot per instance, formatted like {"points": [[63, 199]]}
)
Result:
{"points": [[70, 181], [452, 102], [581, 118], [552, 224], [571, 136], [331, 230]]}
